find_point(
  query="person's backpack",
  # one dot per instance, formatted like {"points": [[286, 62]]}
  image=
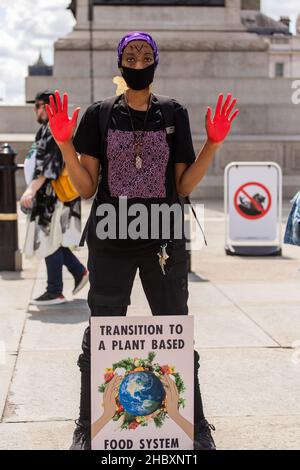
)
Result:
{"points": [[167, 108]]}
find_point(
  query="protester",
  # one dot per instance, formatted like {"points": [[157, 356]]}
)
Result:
{"points": [[136, 165]]}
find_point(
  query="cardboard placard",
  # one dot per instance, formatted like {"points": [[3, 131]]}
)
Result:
{"points": [[142, 382]]}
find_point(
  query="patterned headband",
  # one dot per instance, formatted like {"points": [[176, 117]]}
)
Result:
{"points": [[136, 35]]}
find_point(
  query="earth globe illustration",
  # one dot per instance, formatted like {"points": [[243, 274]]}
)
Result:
{"points": [[141, 393]]}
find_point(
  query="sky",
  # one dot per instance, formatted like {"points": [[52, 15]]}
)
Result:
{"points": [[31, 26]]}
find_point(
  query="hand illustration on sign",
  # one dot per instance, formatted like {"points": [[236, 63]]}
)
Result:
{"points": [[172, 404], [109, 404]]}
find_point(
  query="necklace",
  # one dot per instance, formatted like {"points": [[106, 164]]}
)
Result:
{"points": [[137, 137]]}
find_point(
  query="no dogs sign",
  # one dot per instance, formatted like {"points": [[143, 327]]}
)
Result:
{"points": [[252, 200], [252, 204]]}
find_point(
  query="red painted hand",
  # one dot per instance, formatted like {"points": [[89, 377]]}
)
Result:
{"points": [[62, 128], [218, 127]]}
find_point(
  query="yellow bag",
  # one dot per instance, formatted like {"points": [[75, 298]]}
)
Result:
{"points": [[64, 188]]}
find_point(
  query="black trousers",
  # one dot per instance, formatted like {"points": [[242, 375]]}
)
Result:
{"points": [[111, 281]]}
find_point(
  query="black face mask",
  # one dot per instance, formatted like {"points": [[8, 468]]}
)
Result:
{"points": [[140, 78]]}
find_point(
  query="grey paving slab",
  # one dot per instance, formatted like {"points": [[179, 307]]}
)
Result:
{"points": [[49, 435], [205, 295], [58, 327], [257, 433], [258, 293], [281, 321], [219, 267], [15, 294], [250, 382], [45, 387], [226, 328], [7, 363], [11, 327]]}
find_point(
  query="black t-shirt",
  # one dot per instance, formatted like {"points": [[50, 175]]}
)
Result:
{"points": [[122, 182]]}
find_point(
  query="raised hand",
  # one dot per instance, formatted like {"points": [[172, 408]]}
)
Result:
{"points": [[218, 127], [61, 126]]}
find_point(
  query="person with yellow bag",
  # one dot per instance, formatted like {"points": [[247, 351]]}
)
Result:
{"points": [[53, 209]]}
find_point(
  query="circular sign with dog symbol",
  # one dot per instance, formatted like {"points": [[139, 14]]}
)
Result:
{"points": [[252, 200]]}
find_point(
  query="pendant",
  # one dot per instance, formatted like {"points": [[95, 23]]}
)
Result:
{"points": [[138, 162]]}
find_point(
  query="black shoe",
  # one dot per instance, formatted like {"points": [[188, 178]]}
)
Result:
{"points": [[81, 437], [49, 299], [81, 281], [203, 439]]}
